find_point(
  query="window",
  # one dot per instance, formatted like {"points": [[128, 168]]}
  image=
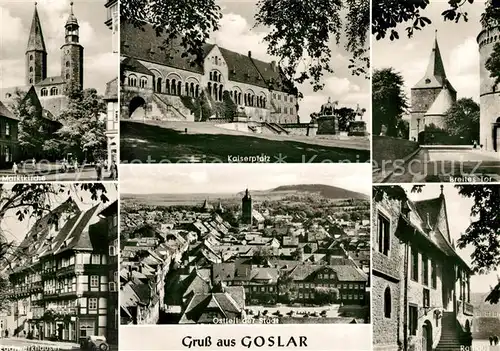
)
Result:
{"points": [[383, 235], [387, 303], [67, 75], [31, 69], [262, 289], [112, 251], [96, 259], [67, 63], [132, 81], [93, 303], [7, 129], [115, 276], [54, 91], [143, 82], [427, 298], [425, 270], [31, 80], [94, 281], [433, 274], [112, 286], [31, 57], [44, 92], [414, 264], [412, 319], [271, 289]]}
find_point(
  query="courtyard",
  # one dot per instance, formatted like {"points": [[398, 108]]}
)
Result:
{"points": [[168, 142]]}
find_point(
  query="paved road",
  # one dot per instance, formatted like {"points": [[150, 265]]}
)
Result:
{"points": [[447, 165], [24, 344]]}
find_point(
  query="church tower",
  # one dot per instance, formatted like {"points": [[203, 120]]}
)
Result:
{"points": [[424, 94], [72, 54], [246, 209], [36, 54]]}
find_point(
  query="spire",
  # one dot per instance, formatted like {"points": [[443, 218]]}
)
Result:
{"points": [[442, 187], [72, 18], [35, 39]]}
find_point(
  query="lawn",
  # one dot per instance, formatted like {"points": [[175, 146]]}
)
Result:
{"points": [[143, 143]]}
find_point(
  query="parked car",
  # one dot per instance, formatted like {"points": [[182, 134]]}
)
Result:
{"points": [[95, 343]]}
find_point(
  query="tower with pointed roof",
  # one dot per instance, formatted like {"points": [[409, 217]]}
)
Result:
{"points": [[432, 96], [36, 53], [489, 93], [72, 54], [246, 208]]}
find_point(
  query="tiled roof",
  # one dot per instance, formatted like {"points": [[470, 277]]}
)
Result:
{"points": [[430, 207], [222, 303], [345, 273], [442, 104], [131, 64], [5, 112], [111, 90], [51, 81], [35, 39]]}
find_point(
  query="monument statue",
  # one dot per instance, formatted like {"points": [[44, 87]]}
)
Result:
{"points": [[328, 109]]}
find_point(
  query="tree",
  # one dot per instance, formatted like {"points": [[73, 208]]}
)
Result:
{"points": [[83, 130], [389, 14], [462, 119], [345, 116], [284, 287], [389, 100], [493, 64], [326, 296], [300, 34], [32, 135], [403, 129]]}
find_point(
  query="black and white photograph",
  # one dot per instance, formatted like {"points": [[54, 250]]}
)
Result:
{"points": [[436, 267], [225, 81], [59, 90], [436, 103], [244, 244], [59, 266]]}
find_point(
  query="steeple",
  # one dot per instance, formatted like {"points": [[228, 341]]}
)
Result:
{"points": [[72, 54], [72, 35], [435, 75], [35, 39], [36, 53]]}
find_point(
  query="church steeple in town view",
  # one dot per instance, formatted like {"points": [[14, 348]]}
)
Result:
{"points": [[60, 138]]}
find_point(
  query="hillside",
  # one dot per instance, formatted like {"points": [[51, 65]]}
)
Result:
{"points": [[327, 191]]}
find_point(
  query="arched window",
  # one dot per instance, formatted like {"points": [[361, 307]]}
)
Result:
{"points": [[31, 57], [264, 103], [67, 63], [186, 91], [211, 76], [31, 68], [168, 86], [246, 99], [387, 303], [67, 76], [192, 90], [174, 87], [197, 90], [239, 98], [221, 92], [44, 92], [144, 82], [215, 92], [31, 80], [53, 91], [159, 82], [219, 77], [209, 88], [253, 100], [179, 88]]}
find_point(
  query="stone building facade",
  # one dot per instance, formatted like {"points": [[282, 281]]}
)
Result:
{"points": [[421, 287], [489, 92], [158, 82]]}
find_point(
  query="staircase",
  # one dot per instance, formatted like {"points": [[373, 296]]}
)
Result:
{"points": [[169, 108], [450, 333], [280, 128]]}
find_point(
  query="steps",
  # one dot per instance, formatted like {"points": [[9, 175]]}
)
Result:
{"points": [[450, 333], [169, 108]]}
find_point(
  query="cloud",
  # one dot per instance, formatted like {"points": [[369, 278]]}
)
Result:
{"points": [[98, 68], [53, 6], [236, 34], [13, 33], [464, 58], [11, 74]]}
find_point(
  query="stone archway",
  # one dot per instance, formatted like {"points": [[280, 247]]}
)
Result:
{"points": [[427, 336], [496, 135], [137, 108]]}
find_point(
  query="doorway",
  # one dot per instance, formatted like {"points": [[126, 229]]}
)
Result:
{"points": [[427, 336]]}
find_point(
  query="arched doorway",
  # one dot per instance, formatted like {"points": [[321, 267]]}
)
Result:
{"points": [[427, 336], [496, 135], [137, 108]]}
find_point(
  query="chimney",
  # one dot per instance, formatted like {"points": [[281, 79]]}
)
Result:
{"points": [[249, 54]]}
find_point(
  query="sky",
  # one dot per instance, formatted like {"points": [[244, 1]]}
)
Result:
{"points": [[237, 33], [100, 66], [15, 230], [233, 178], [457, 43], [458, 209]]}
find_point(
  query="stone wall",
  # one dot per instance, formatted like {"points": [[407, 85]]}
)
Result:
{"points": [[302, 129], [327, 126]]}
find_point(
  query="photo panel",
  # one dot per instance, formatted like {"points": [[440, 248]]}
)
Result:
{"points": [[59, 91], [245, 82], [435, 267], [436, 103], [246, 255], [59, 266]]}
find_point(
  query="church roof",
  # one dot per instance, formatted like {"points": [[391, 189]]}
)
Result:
{"points": [[51, 81], [442, 103], [131, 64], [435, 76], [72, 18], [35, 39], [5, 112]]}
